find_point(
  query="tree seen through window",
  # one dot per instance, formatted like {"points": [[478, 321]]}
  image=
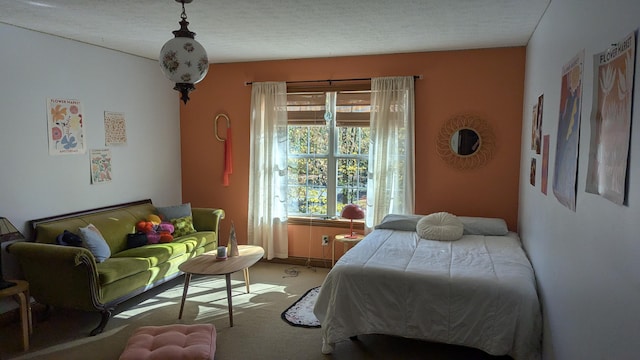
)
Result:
{"points": [[328, 152]]}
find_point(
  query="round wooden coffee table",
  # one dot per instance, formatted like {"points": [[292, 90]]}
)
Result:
{"points": [[207, 264]]}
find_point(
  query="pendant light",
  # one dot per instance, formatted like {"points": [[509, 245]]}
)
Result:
{"points": [[182, 59]]}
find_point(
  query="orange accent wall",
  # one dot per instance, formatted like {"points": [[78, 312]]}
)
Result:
{"points": [[487, 82]]}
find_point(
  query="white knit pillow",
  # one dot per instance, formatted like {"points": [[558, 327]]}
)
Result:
{"points": [[440, 226]]}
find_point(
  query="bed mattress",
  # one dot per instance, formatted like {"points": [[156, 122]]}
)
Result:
{"points": [[478, 291]]}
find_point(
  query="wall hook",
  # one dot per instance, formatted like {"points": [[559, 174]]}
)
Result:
{"points": [[215, 124]]}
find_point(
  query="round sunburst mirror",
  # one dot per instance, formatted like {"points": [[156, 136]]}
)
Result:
{"points": [[466, 142]]}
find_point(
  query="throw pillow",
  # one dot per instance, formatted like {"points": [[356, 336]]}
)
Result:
{"points": [[168, 213], [67, 238], [92, 240], [154, 219], [165, 237], [153, 238], [484, 226], [136, 240], [399, 222], [440, 226], [183, 226], [165, 227]]}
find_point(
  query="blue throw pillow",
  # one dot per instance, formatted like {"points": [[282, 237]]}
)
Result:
{"points": [[92, 240], [167, 213]]}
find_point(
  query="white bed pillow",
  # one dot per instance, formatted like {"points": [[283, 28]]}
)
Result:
{"points": [[472, 225], [400, 222], [440, 226], [484, 226]]}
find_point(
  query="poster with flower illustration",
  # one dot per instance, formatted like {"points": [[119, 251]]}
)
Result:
{"points": [[611, 120], [114, 128], [100, 165], [66, 127]]}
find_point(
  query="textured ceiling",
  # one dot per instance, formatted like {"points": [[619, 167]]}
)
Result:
{"points": [[250, 30]]}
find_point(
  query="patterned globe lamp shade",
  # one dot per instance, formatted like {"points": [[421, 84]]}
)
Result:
{"points": [[182, 59], [351, 212]]}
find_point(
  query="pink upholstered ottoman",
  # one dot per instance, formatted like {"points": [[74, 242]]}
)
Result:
{"points": [[174, 342]]}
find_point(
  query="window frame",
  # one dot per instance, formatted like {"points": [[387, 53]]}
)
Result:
{"points": [[333, 155]]}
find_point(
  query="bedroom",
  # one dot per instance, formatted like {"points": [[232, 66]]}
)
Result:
{"points": [[587, 254]]}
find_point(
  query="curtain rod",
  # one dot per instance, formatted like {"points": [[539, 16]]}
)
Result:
{"points": [[247, 83]]}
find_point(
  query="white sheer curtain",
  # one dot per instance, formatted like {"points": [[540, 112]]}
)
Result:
{"points": [[391, 183], [267, 220]]}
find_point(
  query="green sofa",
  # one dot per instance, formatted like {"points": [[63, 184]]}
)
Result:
{"points": [[70, 277]]}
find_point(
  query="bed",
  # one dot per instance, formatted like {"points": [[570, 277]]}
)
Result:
{"points": [[477, 291]]}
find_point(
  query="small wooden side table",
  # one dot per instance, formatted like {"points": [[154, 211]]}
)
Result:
{"points": [[20, 292], [343, 238]]}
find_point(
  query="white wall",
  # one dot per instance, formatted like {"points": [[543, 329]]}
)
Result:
{"points": [[587, 261], [33, 184]]}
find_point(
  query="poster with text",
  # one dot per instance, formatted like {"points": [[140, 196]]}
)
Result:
{"points": [[100, 166], [114, 128], [611, 120], [568, 137], [65, 127], [544, 175]]}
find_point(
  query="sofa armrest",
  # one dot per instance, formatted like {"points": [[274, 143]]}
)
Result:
{"points": [[59, 275], [207, 219]]}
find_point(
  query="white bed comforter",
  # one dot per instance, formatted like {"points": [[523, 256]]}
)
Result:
{"points": [[478, 291]]}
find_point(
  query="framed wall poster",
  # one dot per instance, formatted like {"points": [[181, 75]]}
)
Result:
{"points": [[65, 125], [114, 128], [545, 164], [566, 165], [535, 140], [100, 165], [611, 120], [539, 122], [532, 174]]}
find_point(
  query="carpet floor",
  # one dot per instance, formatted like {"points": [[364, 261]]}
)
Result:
{"points": [[258, 331]]}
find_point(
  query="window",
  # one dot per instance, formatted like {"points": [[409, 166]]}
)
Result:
{"points": [[327, 155]]}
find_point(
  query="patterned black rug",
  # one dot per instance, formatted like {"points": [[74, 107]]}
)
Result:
{"points": [[301, 312]]}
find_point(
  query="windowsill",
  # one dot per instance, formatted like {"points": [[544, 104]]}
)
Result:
{"points": [[328, 222]]}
